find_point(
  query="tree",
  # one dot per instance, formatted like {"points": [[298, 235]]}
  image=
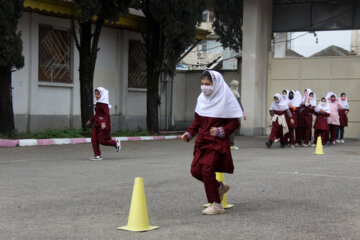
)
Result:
{"points": [[170, 29], [87, 45], [228, 22], [10, 58]]}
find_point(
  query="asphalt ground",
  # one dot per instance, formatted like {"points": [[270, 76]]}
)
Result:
{"points": [[56, 192]]}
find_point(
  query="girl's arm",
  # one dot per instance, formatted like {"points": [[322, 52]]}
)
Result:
{"points": [[193, 129], [326, 114], [230, 126]]}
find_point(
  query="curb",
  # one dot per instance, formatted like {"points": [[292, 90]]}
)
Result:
{"points": [[60, 141]]}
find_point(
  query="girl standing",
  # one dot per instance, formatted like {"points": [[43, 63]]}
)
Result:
{"points": [[279, 111], [216, 118], [102, 126], [308, 104], [343, 118], [294, 102], [334, 119], [322, 112]]}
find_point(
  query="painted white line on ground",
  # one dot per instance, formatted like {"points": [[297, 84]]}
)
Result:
{"points": [[28, 142], [302, 174], [170, 137], [88, 140]]}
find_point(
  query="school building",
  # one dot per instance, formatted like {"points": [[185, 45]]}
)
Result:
{"points": [[46, 91]]}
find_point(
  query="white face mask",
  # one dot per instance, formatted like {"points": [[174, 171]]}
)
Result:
{"points": [[323, 103], [277, 101], [207, 90], [284, 96]]}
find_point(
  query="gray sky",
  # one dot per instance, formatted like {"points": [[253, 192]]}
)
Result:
{"points": [[306, 45]]}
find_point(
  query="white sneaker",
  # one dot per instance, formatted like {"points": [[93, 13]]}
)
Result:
{"points": [[292, 146], [118, 145], [313, 145], [304, 145], [337, 141], [96, 158], [342, 141], [214, 208]]}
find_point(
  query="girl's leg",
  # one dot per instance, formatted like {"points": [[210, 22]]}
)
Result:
{"points": [[337, 133], [232, 137], [307, 135], [105, 139], [210, 183], [316, 134], [196, 171], [323, 136], [299, 134], [95, 142], [273, 133], [342, 130], [333, 133]]}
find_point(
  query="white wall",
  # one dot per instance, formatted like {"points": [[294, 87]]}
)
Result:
{"points": [[338, 74]]}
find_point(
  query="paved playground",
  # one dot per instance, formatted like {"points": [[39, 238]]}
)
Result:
{"points": [[55, 192]]}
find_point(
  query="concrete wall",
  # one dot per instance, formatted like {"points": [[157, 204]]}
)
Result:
{"points": [[338, 74]]}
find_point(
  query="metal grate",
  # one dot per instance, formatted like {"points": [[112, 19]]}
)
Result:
{"points": [[54, 55], [137, 65]]}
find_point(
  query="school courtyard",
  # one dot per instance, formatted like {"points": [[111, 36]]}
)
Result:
{"points": [[55, 192]]}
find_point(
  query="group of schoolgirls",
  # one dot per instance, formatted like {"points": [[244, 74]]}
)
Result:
{"points": [[292, 118]]}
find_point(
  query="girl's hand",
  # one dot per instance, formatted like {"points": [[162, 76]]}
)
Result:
{"points": [[292, 121], [321, 110], [184, 137], [87, 123], [213, 131], [103, 125], [244, 116]]}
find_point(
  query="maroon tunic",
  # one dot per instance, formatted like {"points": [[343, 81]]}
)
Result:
{"points": [[209, 150], [102, 115], [343, 117], [300, 117], [321, 121], [308, 113]]}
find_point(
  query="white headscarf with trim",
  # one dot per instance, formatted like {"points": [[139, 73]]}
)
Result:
{"points": [[221, 103], [285, 97], [313, 100], [325, 108], [344, 103], [281, 106], [328, 96], [296, 101], [104, 96]]}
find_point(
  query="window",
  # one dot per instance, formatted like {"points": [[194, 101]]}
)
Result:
{"points": [[137, 65], [54, 55]]}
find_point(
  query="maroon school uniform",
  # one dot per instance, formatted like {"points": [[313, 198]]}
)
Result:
{"points": [[300, 125], [211, 154], [98, 135], [276, 129], [291, 134], [343, 117], [321, 126], [308, 115]]}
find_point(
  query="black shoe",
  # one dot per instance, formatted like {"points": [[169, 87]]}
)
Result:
{"points": [[269, 143]]}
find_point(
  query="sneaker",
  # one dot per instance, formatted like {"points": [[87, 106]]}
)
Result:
{"points": [[292, 146], [313, 145], [96, 158], [118, 145], [268, 143], [342, 141], [337, 141], [304, 145], [333, 143], [214, 208], [223, 188], [296, 144], [282, 145], [234, 148]]}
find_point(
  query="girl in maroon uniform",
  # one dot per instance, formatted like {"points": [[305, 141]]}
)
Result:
{"points": [[279, 111], [343, 118], [102, 126], [216, 118], [322, 112], [308, 105], [294, 102]]}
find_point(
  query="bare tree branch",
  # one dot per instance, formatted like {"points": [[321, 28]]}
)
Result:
{"points": [[76, 40]]}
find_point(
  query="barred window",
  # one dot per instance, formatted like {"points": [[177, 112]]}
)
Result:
{"points": [[137, 65], [54, 55]]}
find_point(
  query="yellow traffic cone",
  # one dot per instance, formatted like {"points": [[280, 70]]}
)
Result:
{"points": [[220, 177], [319, 146], [138, 220]]}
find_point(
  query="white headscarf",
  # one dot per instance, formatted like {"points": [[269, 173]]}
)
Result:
{"points": [[285, 97], [313, 100], [325, 108], [296, 101], [328, 96], [221, 103], [281, 106], [104, 96], [344, 103]]}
